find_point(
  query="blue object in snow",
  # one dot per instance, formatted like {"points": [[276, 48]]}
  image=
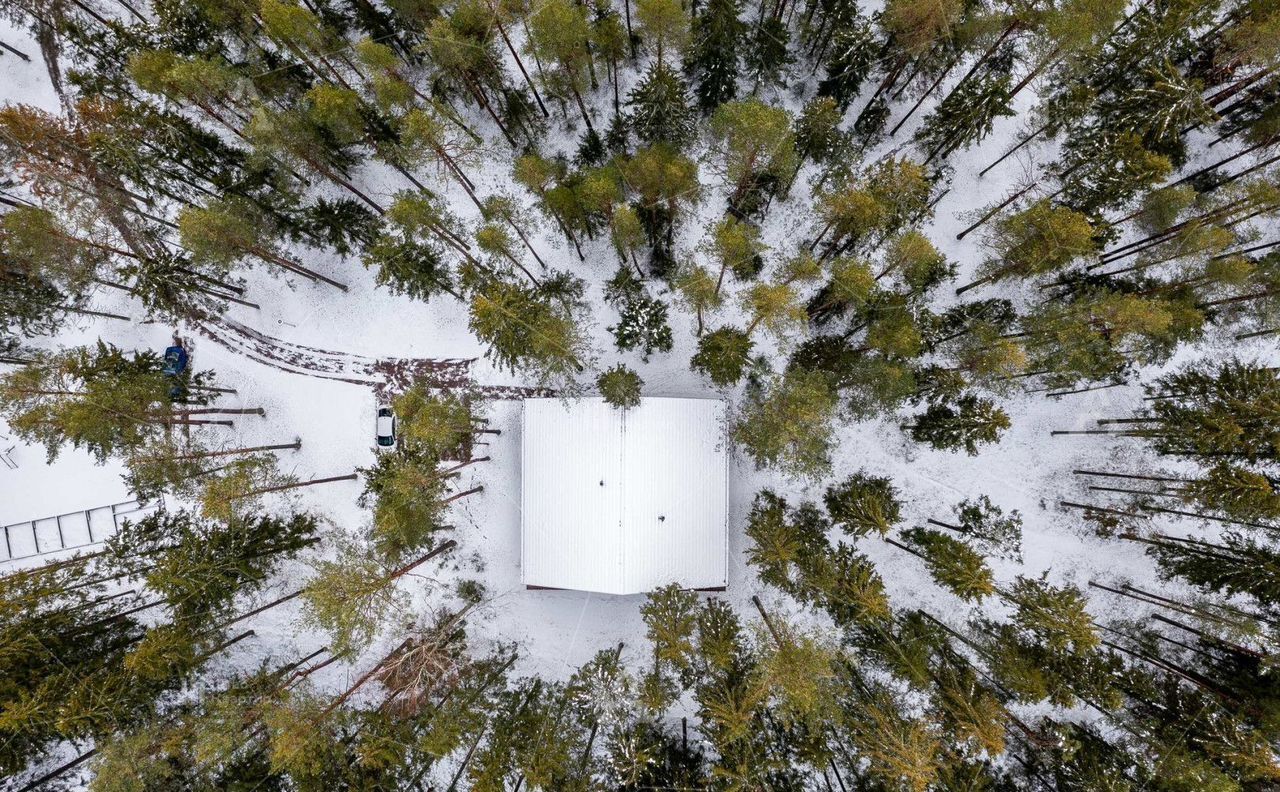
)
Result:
{"points": [[175, 361]]}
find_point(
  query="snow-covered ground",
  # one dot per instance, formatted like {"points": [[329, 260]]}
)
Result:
{"points": [[1028, 470]]}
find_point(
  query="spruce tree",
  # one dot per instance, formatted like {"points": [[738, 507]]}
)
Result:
{"points": [[986, 525], [527, 328], [200, 567], [967, 423], [97, 398], [783, 539], [723, 356], [659, 108], [952, 564], [718, 36], [620, 386], [863, 503], [642, 320], [852, 56]]}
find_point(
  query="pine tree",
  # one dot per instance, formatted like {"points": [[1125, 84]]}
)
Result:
{"points": [[776, 307], [237, 488], [767, 55], [436, 424], [664, 24], [558, 36], [1100, 333], [353, 596], [758, 146], [670, 618], [863, 503], [54, 640], [404, 258], [818, 134], [845, 584], [1038, 240], [787, 424], [1234, 565], [736, 245], [665, 183], [902, 751], [46, 269], [1053, 615], [410, 495]]}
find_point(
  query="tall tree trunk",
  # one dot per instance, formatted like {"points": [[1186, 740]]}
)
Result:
{"points": [[294, 485]]}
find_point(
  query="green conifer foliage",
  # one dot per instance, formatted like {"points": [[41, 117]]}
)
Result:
{"points": [[862, 504], [718, 35]]}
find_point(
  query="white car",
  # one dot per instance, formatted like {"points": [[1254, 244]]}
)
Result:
{"points": [[386, 428]]}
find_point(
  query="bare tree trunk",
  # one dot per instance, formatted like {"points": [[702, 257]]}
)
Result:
{"points": [[57, 771], [1013, 150], [294, 485]]}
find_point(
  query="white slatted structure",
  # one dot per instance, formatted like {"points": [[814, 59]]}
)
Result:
{"points": [[622, 502]]}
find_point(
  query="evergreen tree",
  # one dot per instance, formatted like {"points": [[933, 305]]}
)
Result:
{"points": [[970, 422], [987, 526], [784, 539], [1041, 239], [642, 320], [1100, 333], [863, 503], [663, 23], [559, 37], [952, 564], [660, 111], [529, 328], [967, 114], [1239, 493], [818, 134], [723, 355], [758, 144], [410, 494], [96, 398], [853, 54], [1216, 409], [402, 259], [1233, 565], [45, 270], [200, 567], [787, 424], [620, 386], [718, 37]]}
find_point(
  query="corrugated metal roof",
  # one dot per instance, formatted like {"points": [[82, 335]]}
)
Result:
{"points": [[622, 502]]}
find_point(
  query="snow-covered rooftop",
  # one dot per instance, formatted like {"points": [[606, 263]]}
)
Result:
{"points": [[622, 502]]}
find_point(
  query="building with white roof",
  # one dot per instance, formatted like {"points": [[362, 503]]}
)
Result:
{"points": [[622, 502]]}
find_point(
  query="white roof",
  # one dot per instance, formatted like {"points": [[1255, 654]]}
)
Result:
{"points": [[622, 502]]}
